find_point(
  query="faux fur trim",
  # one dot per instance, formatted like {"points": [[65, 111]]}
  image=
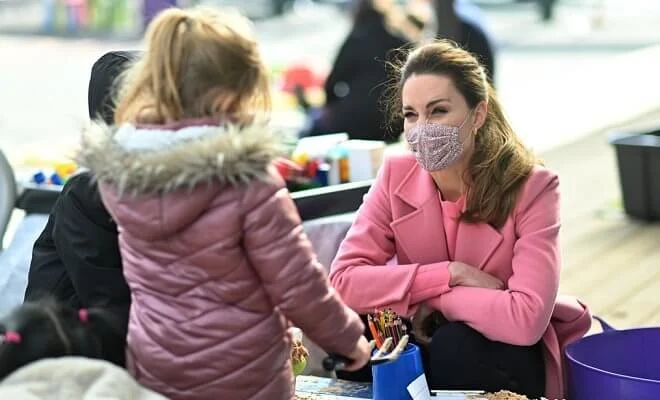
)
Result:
{"points": [[139, 161]]}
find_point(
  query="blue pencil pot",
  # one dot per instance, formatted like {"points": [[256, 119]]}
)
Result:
{"points": [[391, 380]]}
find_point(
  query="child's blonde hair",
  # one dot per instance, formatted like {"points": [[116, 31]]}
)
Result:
{"points": [[198, 63]]}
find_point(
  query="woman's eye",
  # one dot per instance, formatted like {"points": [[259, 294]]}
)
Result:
{"points": [[408, 114], [439, 111]]}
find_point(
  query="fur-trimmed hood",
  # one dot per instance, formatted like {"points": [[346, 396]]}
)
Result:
{"points": [[160, 159]]}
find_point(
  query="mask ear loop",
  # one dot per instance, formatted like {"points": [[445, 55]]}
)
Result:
{"points": [[466, 119], [474, 131]]}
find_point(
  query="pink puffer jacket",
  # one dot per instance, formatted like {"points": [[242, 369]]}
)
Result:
{"points": [[216, 259]]}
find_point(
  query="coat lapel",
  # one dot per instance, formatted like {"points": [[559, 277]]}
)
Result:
{"points": [[476, 243], [420, 233]]}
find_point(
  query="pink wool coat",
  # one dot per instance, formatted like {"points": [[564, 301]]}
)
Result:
{"points": [[216, 260], [401, 218]]}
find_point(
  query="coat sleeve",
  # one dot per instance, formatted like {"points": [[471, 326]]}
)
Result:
{"points": [[361, 273], [520, 314], [86, 240], [296, 283]]}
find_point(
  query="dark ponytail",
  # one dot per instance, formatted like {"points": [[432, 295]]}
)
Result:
{"points": [[45, 329], [105, 329]]}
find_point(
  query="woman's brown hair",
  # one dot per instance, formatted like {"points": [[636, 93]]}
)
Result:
{"points": [[500, 163], [193, 58]]}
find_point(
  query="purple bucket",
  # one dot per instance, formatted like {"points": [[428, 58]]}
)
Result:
{"points": [[615, 365]]}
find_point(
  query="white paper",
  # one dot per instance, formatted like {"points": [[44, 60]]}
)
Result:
{"points": [[419, 389]]}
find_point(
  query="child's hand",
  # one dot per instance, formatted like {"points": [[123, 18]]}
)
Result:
{"points": [[360, 355], [418, 320]]}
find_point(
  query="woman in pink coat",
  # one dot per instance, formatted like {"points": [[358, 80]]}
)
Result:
{"points": [[463, 232], [212, 246]]}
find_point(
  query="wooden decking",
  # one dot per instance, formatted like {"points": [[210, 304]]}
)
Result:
{"points": [[609, 261]]}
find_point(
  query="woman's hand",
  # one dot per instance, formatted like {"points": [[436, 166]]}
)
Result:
{"points": [[462, 274]]}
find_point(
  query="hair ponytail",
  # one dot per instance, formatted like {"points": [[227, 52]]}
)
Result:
{"points": [[9, 349], [106, 335], [162, 62], [193, 58], [45, 329], [501, 159], [166, 43]]}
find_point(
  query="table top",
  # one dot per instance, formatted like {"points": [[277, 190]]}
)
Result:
{"points": [[319, 388]]}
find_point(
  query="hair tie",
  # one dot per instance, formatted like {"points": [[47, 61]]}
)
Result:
{"points": [[83, 315], [11, 337]]}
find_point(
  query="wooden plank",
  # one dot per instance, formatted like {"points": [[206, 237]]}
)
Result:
{"points": [[609, 261], [597, 239], [616, 296], [618, 257], [622, 283], [654, 317], [638, 305]]}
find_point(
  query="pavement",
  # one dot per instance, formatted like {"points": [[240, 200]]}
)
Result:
{"points": [[579, 26], [558, 82]]}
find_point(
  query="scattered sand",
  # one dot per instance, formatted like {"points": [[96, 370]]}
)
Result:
{"points": [[501, 395], [505, 395]]}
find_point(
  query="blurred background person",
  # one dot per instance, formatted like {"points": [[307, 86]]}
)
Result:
{"points": [[359, 75], [460, 21]]}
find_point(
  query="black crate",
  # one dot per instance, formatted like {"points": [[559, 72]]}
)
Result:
{"points": [[638, 157]]}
